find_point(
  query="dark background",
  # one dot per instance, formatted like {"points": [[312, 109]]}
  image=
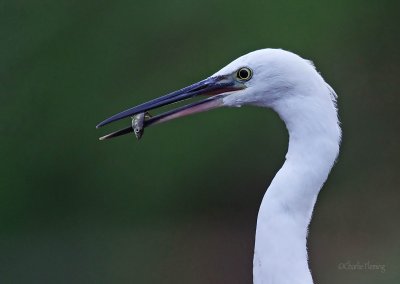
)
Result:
{"points": [[180, 206]]}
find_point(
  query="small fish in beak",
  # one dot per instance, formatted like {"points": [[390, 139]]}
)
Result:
{"points": [[138, 123]]}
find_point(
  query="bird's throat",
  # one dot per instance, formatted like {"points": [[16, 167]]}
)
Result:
{"points": [[280, 254]]}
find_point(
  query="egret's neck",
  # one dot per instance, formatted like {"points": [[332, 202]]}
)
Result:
{"points": [[286, 209]]}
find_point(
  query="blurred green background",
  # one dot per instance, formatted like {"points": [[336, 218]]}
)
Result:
{"points": [[180, 206]]}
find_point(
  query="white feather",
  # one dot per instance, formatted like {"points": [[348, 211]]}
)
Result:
{"points": [[293, 88]]}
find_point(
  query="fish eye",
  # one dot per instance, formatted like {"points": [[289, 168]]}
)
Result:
{"points": [[244, 74]]}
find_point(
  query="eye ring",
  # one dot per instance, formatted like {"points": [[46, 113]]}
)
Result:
{"points": [[244, 74]]}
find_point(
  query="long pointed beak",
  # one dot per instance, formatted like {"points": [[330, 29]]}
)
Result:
{"points": [[215, 87]]}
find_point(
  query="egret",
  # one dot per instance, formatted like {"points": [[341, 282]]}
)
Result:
{"points": [[291, 86]]}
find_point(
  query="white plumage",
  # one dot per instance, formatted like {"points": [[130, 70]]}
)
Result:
{"points": [[291, 86]]}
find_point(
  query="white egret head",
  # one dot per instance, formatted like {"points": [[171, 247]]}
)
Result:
{"points": [[268, 77]]}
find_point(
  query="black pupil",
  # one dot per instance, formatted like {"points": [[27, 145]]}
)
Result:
{"points": [[243, 74]]}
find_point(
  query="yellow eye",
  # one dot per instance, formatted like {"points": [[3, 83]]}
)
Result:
{"points": [[244, 74]]}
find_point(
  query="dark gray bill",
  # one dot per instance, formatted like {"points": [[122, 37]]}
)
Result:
{"points": [[213, 86]]}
